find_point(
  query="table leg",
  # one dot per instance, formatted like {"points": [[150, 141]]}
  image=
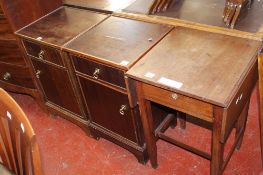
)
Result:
{"points": [[241, 124], [217, 148], [182, 120], [260, 100], [147, 122]]}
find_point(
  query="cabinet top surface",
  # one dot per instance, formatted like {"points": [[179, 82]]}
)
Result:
{"points": [[203, 65], [119, 41], [62, 25], [108, 5]]}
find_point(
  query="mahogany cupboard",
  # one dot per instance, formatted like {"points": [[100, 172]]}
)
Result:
{"points": [[80, 70], [100, 58], [14, 70], [43, 41]]}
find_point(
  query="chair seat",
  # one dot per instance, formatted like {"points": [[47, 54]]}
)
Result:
{"points": [[5, 171]]}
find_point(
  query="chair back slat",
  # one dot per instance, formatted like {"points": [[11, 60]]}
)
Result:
{"points": [[6, 136], [18, 147], [19, 153], [3, 153], [28, 165]]}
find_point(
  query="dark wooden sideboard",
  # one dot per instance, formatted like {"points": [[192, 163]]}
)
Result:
{"points": [[80, 71], [43, 41], [100, 58], [15, 73]]}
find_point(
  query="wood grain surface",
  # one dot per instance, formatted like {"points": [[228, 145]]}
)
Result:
{"points": [[119, 41], [62, 25], [207, 66]]}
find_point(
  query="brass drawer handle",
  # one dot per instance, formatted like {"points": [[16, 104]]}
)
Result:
{"points": [[7, 76], [38, 73], [96, 73], [123, 109], [174, 96], [239, 99], [41, 55]]}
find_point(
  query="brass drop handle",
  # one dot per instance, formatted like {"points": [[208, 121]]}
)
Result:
{"points": [[96, 73], [239, 98], [174, 96], [123, 109], [7, 76], [41, 55], [38, 72]]}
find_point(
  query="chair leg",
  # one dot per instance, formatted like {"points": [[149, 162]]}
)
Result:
{"points": [[217, 148], [182, 119], [241, 125], [236, 15], [260, 100]]}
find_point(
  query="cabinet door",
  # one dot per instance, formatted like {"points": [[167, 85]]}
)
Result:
{"points": [[107, 108], [56, 86]]}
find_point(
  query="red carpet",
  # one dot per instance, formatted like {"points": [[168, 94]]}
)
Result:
{"points": [[66, 150]]}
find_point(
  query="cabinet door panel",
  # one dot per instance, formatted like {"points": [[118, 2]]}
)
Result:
{"points": [[104, 105], [56, 86]]}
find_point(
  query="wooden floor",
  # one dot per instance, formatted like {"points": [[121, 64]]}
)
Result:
{"points": [[66, 150]]}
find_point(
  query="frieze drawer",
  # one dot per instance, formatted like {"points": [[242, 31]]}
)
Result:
{"points": [[99, 71], [43, 52], [15, 75]]}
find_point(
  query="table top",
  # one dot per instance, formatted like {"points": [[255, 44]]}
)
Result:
{"points": [[104, 5], [198, 64], [118, 41], [61, 26]]}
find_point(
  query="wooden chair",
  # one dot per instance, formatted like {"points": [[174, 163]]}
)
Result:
{"points": [[160, 6], [233, 9], [18, 148]]}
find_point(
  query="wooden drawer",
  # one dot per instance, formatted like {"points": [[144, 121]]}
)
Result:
{"points": [[239, 101], [43, 52], [179, 102], [109, 109], [98, 71], [16, 75]]}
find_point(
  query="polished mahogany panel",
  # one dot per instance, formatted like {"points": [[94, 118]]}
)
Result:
{"points": [[105, 106], [119, 41], [62, 25], [22, 12], [56, 86]]}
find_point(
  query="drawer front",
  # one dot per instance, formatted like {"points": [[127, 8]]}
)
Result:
{"points": [[109, 109], [43, 52], [16, 75], [99, 71], [238, 103], [179, 102]]}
